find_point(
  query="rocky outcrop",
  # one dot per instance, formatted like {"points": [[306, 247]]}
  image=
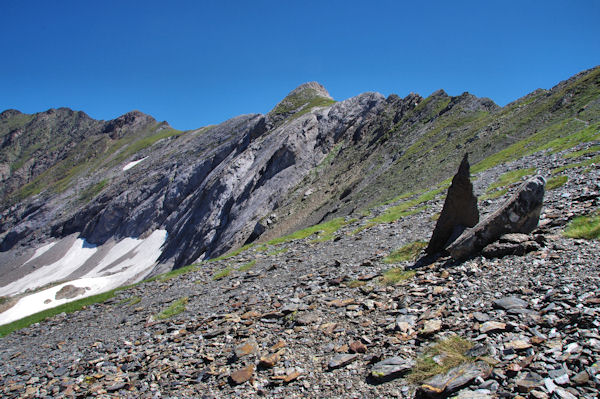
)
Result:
{"points": [[519, 214], [459, 211]]}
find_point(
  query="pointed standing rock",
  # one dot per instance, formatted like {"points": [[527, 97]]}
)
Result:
{"points": [[459, 211]]}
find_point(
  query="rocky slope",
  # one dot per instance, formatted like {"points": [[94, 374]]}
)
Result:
{"points": [[216, 188], [110, 188], [313, 317]]}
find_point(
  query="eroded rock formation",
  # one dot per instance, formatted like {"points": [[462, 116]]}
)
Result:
{"points": [[459, 211]]}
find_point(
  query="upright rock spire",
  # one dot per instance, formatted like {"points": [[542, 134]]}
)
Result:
{"points": [[459, 211]]}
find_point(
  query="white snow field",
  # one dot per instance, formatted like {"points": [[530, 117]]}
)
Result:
{"points": [[127, 262], [132, 164]]}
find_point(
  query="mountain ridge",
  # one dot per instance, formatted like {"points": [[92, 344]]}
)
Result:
{"points": [[347, 155]]}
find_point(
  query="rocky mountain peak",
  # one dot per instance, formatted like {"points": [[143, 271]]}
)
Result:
{"points": [[299, 101], [129, 121], [9, 113], [310, 89]]}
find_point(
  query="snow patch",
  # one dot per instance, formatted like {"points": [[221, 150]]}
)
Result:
{"points": [[132, 164], [108, 274], [75, 257]]}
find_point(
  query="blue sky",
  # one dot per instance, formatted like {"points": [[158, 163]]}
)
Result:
{"points": [[195, 63]]}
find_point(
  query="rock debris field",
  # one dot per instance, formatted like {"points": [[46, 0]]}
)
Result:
{"points": [[314, 319]]}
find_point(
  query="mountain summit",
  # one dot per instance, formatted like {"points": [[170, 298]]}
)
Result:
{"points": [[301, 100]]}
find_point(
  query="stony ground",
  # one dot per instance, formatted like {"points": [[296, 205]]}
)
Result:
{"points": [[312, 319]]}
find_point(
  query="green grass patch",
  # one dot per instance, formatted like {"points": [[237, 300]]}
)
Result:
{"points": [[315, 102], [405, 208], [493, 194], [396, 275], [406, 253], [133, 146], [247, 266], [363, 227], [580, 153], [510, 177], [277, 251], [552, 138], [356, 283], [134, 300], [450, 352], [221, 274], [174, 273], [174, 309], [233, 253], [324, 231], [66, 308], [556, 182], [587, 162], [396, 213], [92, 191], [587, 227], [402, 196]]}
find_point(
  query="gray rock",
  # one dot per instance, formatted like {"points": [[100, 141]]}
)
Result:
{"points": [[391, 368], [459, 211], [455, 378], [510, 302], [519, 214], [69, 291], [341, 360]]}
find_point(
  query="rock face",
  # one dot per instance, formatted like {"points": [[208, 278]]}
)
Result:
{"points": [[519, 214], [459, 211]]}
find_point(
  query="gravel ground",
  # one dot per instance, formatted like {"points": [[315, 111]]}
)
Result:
{"points": [[312, 319]]}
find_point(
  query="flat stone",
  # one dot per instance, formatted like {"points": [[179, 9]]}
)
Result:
{"points": [[528, 383], [307, 318], [562, 393], [455, 378], [481, 317], [492, 326], [242, 375], [247, 348], [517, 238], [581, 378], [341, 360], [518, 344], [392, 367], [510, 302], [358, 347], [469, 394], [270, 360], [431, 327]]}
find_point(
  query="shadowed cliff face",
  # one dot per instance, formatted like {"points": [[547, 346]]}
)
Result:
{"points": [[212, 189]]}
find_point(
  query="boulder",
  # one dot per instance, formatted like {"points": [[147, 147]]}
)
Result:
{"points": [[510, 244], [69, 291], [519, 214], [459, 211]]}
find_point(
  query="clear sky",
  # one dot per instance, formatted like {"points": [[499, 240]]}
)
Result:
{"points": [[195, 63]]}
